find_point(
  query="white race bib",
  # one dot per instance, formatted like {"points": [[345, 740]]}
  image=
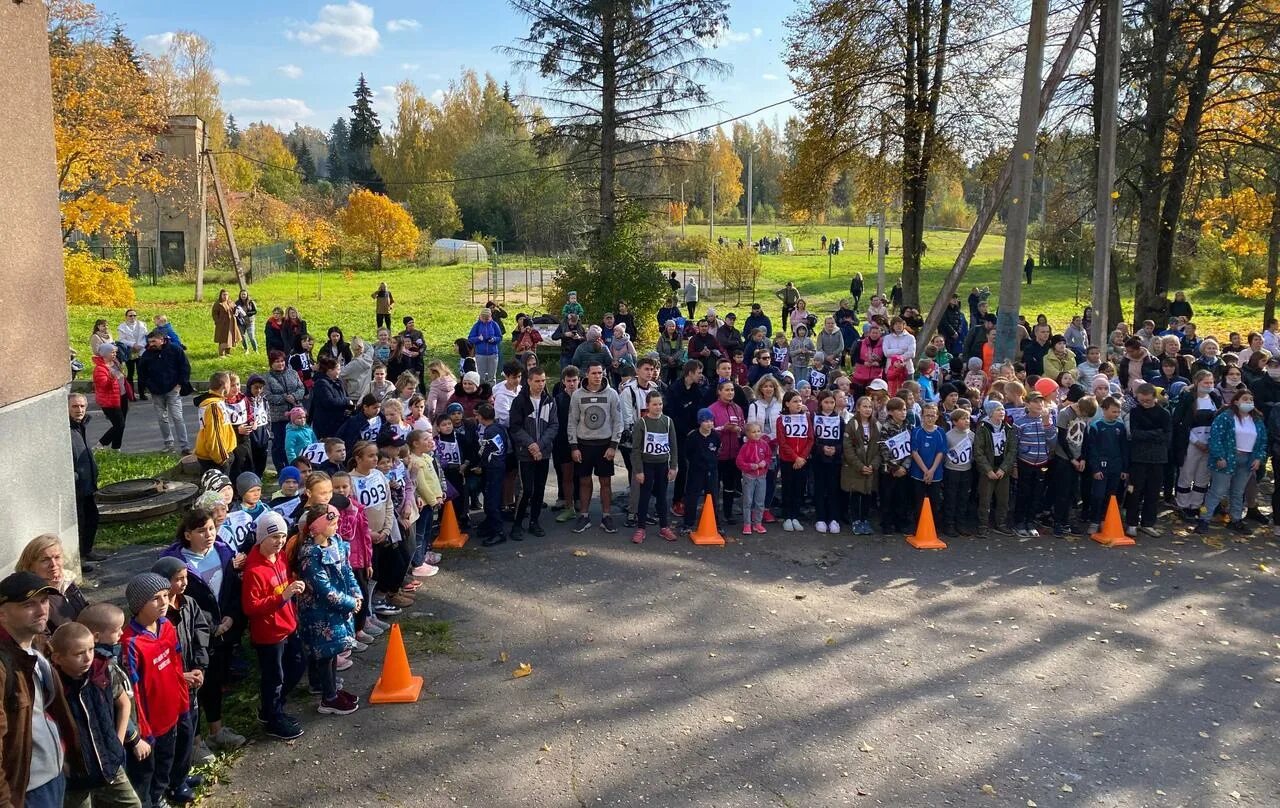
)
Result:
{"points": [[826, 427], [997, 442], [899, 446], [1013, 414], [450, 453], [372, 491], [315, 453], [237, 413], [238, 531], [657, 444], [371, 430], [795, 426], [817, 380], [288, 508], [961, 453]]}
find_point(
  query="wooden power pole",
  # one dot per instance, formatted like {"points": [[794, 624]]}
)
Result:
{"points": [[225, 216], [1109, 56], [1015, 240]]}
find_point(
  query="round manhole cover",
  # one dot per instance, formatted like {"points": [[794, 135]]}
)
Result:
{"points": [[170, 498], [128, 490]]}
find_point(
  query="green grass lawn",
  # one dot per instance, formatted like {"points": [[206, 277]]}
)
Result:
{"points": [[444, 300]]}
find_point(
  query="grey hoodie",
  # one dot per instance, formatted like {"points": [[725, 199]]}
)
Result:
{"points": [[595, 417]]}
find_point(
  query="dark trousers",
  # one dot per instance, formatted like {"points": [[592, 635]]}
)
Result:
{"points": [[323, 674], [957, 502], [700, 482], [1275, 493], [116, 416], [859, 507], [691, 306], [1100, 493], [920, 489], [215, 676], [150, 776], [277, 445], [1064, 484], [384, 321], [1031, 482], [258, 454], [793, 480], [826, 491], [453, 475], [183, 743], [280, 668], [86, 523], [362, 579], [492, 525], [655, 484], [895, 504], [533, 489], [388, 567], [730, 482], [682, 478], [1144, 484]]}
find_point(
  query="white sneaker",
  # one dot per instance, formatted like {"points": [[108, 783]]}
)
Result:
{"points": [[833, 527], [343, 663], [821, 527], [799, 526], [424, 570]]}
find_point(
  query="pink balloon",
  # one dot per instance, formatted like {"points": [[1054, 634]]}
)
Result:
{"points": [[1046, 387]]}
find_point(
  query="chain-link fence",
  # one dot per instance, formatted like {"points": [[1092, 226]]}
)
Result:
{"points": [[266, 260], [138, 262]]}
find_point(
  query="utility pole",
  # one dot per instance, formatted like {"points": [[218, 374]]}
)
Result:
{"points": [[750, 152], [682, 208], [1015, 244], [711, 219], [1104, 224], [880, 256], [1044, 197]]}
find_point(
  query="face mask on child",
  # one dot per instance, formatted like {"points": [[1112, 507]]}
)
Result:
{"points": [[1246, 406]]}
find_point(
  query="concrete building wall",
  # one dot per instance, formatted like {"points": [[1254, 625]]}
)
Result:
{"points": [[36, 480], [182, 206]]}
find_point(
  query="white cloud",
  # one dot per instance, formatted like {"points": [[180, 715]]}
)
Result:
{"points": [[437, 96], [409, 67], [157, 43], [282, 113], [728, 36], [346, 29], [396, 26], [227, 80], [387, 89], [756, 33], [433, 77], [290, 71], [769, 77]]}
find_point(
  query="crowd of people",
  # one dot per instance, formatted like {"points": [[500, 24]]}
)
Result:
{"points": [[838, 420]]}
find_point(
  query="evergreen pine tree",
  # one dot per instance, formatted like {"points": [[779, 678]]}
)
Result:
{"points": [[366, 132], [506, 91], [233, 132], [306, 163], [339, 146], [124, 45]]}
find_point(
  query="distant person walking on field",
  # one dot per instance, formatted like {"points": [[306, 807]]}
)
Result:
{"points": [[789, 295], [690, 296], [1028, 268], [855, 289], [384, 302]]}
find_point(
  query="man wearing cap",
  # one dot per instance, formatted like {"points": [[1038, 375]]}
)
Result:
{"points": [[729, 337], [164, 369], [593, 350], [595, 428], [34, 714]]}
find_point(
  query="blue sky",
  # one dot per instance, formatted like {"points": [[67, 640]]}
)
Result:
{"points": [[297, 60]]}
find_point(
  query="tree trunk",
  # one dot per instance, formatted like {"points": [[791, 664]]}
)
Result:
{"points": [[1273, 246], [608, 121], [1149, 299]]}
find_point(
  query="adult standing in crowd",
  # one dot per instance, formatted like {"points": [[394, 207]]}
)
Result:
{"points": [[570, 334], [329, 402], [1179, 307], [856, 289], [623, 317], [690, 296], [43, 556], [85, 467], [413, 351], [37, 721], [272, 331], [247, 320], [291, 330], [595, 429], [132, 339], [167, 375], [112, 392], [226, 331], [101, 334], [384, 303], [284, 392], [486, 337], [357, 374]]}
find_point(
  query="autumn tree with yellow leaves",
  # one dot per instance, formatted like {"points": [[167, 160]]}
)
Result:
{"points": [[106, 119], [377, 226]]}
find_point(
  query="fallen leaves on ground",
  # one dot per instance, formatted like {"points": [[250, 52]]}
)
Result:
{"points": [[581, 553], [522, 670]]}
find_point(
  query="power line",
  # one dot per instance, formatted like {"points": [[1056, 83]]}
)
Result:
{"points": [[644, 145]]}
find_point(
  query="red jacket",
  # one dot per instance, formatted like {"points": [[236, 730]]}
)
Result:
{"points": [[754, 452], [107, 389], [793, 446], [154, 665], [271, 617]]}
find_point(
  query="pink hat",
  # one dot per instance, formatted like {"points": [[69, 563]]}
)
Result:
{"points": [[297, 411]]}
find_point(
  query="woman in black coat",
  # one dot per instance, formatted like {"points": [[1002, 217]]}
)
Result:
{"points": [[329, 402], [336, 346]]}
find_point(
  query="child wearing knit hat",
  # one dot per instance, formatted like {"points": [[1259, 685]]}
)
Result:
{"points": [[152, 659], [192, 624], [290, 482], [298, 435]]}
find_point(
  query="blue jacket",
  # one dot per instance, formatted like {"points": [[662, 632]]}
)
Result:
{"points": [[487, 337], [171, 335], [755, 321], [1222, 441], [326, 606], [165, 369], [93, 707], [1035, 440], [1106, 448], [929, 445]]}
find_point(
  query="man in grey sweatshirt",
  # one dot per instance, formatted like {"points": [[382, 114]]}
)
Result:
{"points": [[594, 427]]}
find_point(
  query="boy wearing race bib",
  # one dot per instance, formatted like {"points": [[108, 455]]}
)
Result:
{"points": [[995, 451], [449, 454], [957, 482], [895, 484], [928, 451], [290, 481], [495, 446], [653, 455], [1068, 464], [298, 435], [335, 457]]}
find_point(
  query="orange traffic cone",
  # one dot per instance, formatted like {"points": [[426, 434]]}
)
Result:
{"points": [[707, 532], [450, 538], [396, 684], [1111, 533], [926, 536]]}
